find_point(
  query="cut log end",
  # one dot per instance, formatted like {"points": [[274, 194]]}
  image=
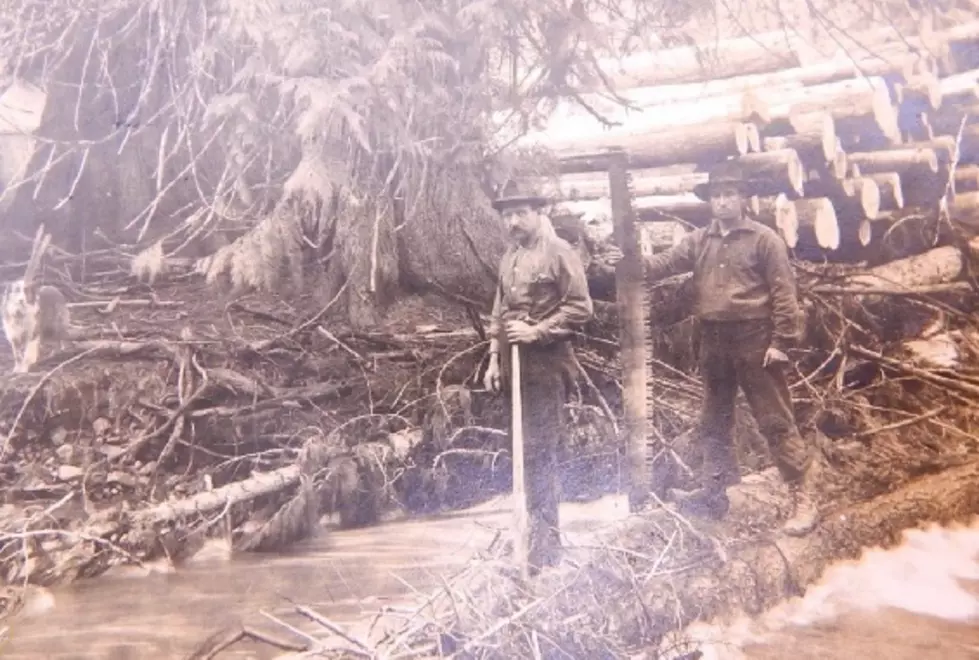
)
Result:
{"points": [[889, 187], [865, 233], [779, 213], [923, 90], [967, 179], [817, 223], [752, 138], [742, 140], [869, 197]]}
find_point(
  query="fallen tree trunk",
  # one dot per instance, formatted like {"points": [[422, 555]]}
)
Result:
{"points": [[727, 58], [861, 108], [767, 173], [884, 52], [960, 88], [640, 106], [948, 119], [762, 574], [966, 179], [650, 576], [921, 93], [701, 144], [814, 139], [937, 266], [918, 168]]}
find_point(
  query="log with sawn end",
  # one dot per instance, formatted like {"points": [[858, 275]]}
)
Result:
{"points": [[889, 185], [754, 138], [913, 230], [727, 58], [902, 161], [855, 202], [766, 173], [814, 139], [640, 107], [960, 88], [818, 227], [947, 119], [778, 212], [861, 108], [921, 93], [691, 144], [966, 179], [923, 177]]}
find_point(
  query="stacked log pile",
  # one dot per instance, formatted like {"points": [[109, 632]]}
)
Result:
{"points": [[851, 161]]}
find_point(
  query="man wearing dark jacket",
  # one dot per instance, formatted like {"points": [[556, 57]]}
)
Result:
{"points": [[749, 316], [541, 297]]}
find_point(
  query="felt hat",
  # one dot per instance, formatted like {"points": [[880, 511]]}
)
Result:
{"points": [[512, 196], [723, 177]]}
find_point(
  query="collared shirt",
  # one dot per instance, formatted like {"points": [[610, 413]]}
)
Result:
{"points": [[543, 283], [740, 275]]}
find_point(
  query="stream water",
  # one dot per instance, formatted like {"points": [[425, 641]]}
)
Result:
{"points": [[918, 601]]}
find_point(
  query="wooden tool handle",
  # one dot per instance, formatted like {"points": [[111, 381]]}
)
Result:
{"points": [[521, 518]]}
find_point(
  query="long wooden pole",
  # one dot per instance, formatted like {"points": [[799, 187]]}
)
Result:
{"points": [[632, 329], [521, 515]]}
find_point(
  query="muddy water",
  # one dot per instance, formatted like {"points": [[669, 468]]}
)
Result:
{"points": [[918, 601]]}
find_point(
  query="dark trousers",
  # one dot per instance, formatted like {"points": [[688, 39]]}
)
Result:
{"points": [[544, 382], [732, 355]]}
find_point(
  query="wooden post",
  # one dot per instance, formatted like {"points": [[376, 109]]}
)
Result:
{"points": [[521, 516], [629, 287]]}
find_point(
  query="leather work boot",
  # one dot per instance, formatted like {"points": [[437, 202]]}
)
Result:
{"points": [[701, 503], [805, 515]]}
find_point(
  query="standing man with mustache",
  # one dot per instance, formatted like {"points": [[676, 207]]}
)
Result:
{"points": [[749, 315], [541, 297]]}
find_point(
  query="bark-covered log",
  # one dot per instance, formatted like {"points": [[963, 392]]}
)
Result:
{"points": [[767, 173], [861, 107], [966, 178], [814, 139], [889, 185], [818, 226], [942, 264], [727, 58], [641, 107], [779, 213], [923, 177], [905, 162], [750, 63], [701, 144], [922, 93], [754, 138], [964, 210], [960, 88], [947, 119], [837, 168], [968, 152]]}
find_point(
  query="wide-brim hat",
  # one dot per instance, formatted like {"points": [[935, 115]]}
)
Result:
{"points": [[718, 178], [512, 201]]}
